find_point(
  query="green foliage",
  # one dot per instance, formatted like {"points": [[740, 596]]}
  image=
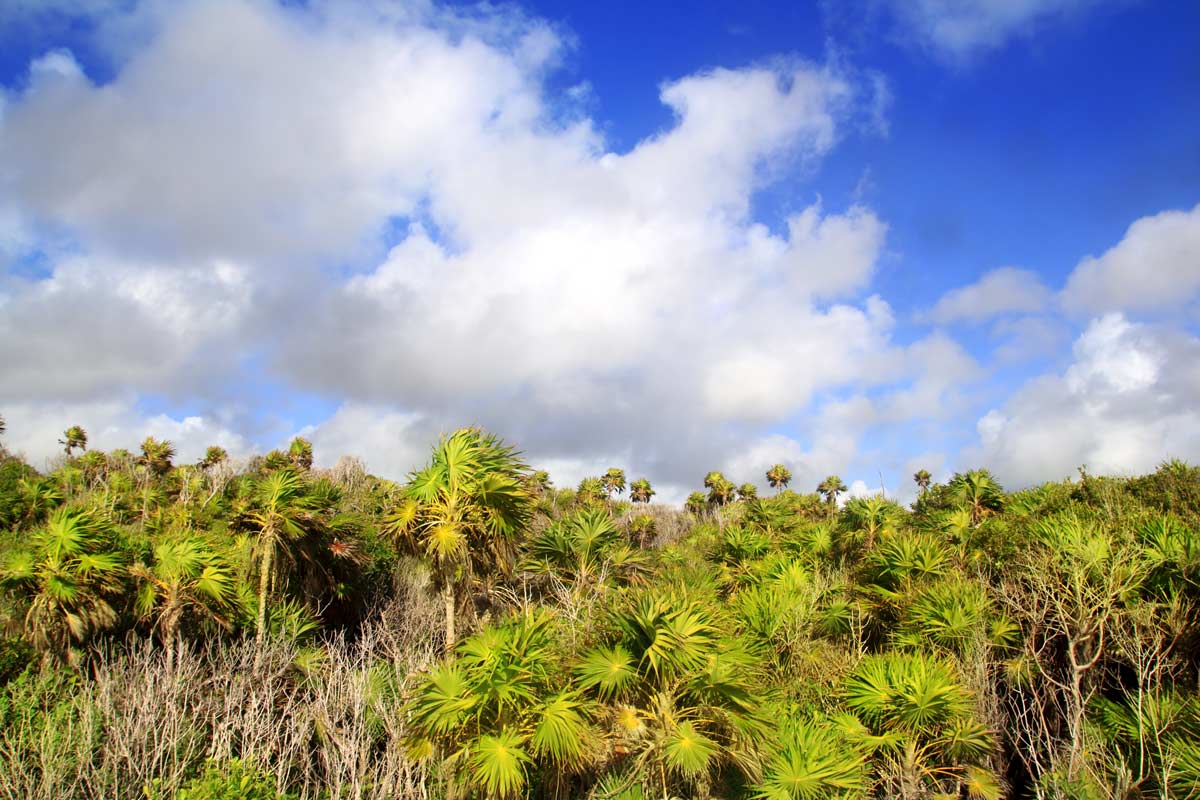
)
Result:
{"points": [[783, 646], [230, 780]]}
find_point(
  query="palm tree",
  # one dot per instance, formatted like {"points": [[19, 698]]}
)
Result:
{"points": [[696, 502], [39, 496], [539, 483], [920, 708], [157, 455], [300, 452], [185, 579], [720, 489], [640, 491], [591, 491], [614, 481], [830, 488], [469, 504], [279, 513], [871, 516], [922, 479], [747, 491], [814, 762], [680, 696], [67, 581], [580, 548], [779, 477], [977, 492], [499, 710], [3, 425], [74, 438], [214, 455]]}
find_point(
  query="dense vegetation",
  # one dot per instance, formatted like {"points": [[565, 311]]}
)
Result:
{"points": [[269, 630]]}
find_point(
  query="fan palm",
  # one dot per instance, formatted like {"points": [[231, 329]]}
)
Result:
{"points": [[696, 502], [779, 477], [747, 491], [919, 717], [469, 504], [977, 492], [614, 481], [720, 489], [214, 455], [279, 515], [679, 696], [870, 517], [497, 709], [300, 453], [922, 478], [640, 491], [578, 548], [591, 492], [39, 496], [813, 762], [67, 580], [185, 579], [74, 438], [830, 488], [157, 455]]}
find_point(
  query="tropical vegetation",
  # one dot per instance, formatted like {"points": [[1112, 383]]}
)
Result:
{"points": [[267, 628]]}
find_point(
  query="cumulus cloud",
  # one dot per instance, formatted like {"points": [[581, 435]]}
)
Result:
{"points": [[246, 159], [1126, 402], [959, 29], [35, 428], [1154, 268], [1006, 290]]}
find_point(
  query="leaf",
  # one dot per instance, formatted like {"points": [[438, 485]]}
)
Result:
{"points": [[608, 670], [498, 764], [689, 752]]}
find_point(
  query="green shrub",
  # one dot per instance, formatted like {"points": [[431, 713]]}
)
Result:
{"points": [[230, 780]]}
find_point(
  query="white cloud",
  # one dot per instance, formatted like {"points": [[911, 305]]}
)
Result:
{"points": [[1154, 268], [959, 29], [34, 430], [1127, 402], [1006, 290]]}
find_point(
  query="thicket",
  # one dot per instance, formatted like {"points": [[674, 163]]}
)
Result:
{"points": [[269, 630]]}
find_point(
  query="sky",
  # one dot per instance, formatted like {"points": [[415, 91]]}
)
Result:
{"points": [[857, 238]]}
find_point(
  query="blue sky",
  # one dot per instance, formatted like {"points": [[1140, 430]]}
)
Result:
{"points": [[858, 237]]}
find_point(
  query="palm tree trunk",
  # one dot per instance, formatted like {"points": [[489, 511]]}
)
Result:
{"points": [[264, 577], [448, 600]]}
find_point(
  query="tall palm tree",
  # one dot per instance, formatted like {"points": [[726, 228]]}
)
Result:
{"points": [[67, 581], [640, 491], [74, 438], [279, 515], [469, 504], [922, 479], [747, 491], [721, 490], [779, 477], [184, 579], [978, 492], [157, 455], [214, 455], [300, 452], [696, 502], [614, 481], [830, 488]]}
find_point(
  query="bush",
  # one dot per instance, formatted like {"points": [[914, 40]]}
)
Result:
{"points": [[231, 780]]}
